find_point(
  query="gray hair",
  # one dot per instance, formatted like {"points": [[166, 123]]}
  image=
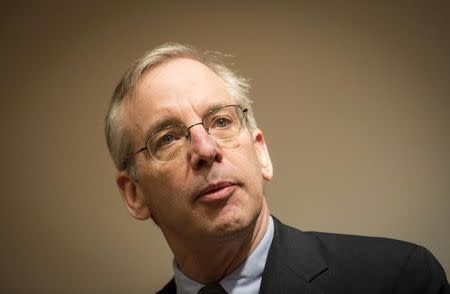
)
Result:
{"points": [[118, 135]]}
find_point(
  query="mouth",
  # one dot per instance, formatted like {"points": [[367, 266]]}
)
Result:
{"points": [[216, 192]]}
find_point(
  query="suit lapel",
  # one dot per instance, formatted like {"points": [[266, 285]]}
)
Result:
{"points": [[294, 260], [169, 288]]}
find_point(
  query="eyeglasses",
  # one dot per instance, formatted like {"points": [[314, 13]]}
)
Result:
{"points": [[223, 124]]}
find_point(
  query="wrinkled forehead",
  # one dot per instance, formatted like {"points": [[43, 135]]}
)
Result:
{"points": [[180, 89]]}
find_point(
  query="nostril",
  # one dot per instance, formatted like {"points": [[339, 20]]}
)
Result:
{"points": [[201, 163]]}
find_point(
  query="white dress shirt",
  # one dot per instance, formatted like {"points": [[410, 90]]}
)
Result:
{"points": [[246, 279]]}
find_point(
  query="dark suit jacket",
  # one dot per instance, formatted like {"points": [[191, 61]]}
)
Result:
{"points": [[313, 263]]}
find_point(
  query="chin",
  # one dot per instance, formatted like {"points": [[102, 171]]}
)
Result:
{"points": [[233, 221]]}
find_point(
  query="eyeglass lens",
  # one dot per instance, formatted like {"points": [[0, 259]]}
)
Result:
{"points": [[222, 124]]}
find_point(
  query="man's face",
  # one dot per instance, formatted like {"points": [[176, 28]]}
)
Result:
{"points": [[209, 191]]}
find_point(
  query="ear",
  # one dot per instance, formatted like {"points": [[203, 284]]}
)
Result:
{"points": [[263, 154], [132, 196]]}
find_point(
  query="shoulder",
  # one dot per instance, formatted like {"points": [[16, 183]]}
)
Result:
{"points": [[345, 246], [410, 268], [364, 247], [393, 266]]}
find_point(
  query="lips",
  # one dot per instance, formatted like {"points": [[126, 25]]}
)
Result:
{"points": [[216, 192]]}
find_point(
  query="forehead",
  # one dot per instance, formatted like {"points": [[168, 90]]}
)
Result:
{"points": [[181, 88]]}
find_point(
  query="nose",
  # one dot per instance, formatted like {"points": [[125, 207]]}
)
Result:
{"points": [[203, 151]]}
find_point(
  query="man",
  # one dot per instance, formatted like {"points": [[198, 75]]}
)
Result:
{"points": [[181, 132]]}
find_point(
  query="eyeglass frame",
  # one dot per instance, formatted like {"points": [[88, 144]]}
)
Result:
{"points": [[244, 116]]}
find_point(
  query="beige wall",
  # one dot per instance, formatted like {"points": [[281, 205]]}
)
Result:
{"points": [[353, 99]]}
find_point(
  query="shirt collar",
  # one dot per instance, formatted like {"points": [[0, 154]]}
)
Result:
{"points": [[248, 273]]}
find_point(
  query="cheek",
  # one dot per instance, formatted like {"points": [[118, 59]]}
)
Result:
{"points": [[247, 165], [250, 156], [162, 188]]}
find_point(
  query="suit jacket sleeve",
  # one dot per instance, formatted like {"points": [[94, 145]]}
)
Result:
{"points": [[422, 274]]}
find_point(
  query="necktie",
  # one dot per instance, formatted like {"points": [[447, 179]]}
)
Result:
{"points": [[212, 289]]}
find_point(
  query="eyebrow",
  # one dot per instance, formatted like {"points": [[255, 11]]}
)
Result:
{"points": [[161, 124]]}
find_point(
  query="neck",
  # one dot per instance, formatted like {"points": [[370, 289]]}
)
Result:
{"points": [[210, 262]]}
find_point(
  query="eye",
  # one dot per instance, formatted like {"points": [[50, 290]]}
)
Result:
{"points": [[167, 139], [221, 122]]}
